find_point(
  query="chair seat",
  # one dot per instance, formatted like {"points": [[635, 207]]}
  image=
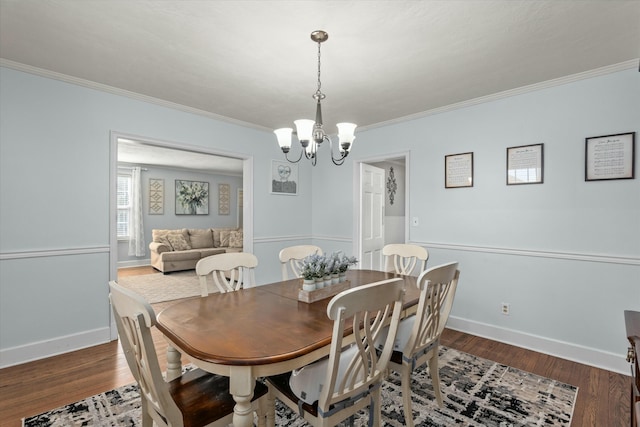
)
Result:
{"points": [[205, 397], [281, 382]]}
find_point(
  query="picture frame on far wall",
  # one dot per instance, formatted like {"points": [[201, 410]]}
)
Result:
{"points": [[610, 157], [192, 197], [284, 178], [525, 164], [458, 170]]}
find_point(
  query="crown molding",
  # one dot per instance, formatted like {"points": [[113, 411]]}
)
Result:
{"points": [[633, 63], [122, 92]]}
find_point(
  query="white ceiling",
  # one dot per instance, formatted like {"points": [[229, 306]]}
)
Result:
{"points": [[253, 63]]}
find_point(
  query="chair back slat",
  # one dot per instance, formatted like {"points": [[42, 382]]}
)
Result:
{"points": [[291, 259], [437, 291], [134, 318], [365, 310], [403, 258], [229, 272]]}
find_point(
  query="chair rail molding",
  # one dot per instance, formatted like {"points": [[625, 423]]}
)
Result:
{"points": [[572, 256], [54, 252]]}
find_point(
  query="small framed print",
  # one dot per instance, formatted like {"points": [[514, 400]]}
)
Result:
{"points": [[525, 164], [284, 178], [458, 170], [610, 157]]}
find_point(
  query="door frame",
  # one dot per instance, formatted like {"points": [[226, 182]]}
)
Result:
{"points": [[247, 188], [357, 189]]}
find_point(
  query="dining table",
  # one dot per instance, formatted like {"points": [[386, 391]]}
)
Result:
{"points": [[257, 332]]}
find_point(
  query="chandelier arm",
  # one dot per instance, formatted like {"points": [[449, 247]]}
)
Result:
{"points": [[338, 161], [286, 156]]}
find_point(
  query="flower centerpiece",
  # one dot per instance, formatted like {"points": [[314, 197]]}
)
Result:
{"points": [[326, 269], [344, 264]]}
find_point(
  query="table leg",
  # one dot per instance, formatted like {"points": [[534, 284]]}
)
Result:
{"points": [[241, 387], [174, 364]]}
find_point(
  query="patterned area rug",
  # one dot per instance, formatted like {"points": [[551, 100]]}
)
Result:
{"points": [[158, 287], [477, 392]]}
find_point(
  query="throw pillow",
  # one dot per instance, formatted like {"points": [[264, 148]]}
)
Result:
{"points": [[235, 239], [165, 242], [224, 238], [200, 238], [178, 242]]}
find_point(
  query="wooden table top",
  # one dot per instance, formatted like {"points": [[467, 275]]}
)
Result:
{"points": [[260, 325]]}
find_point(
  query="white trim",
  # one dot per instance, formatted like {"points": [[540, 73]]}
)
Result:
{"points": [[333, 238], [54, 252], [134, 263], [631, 64], [53, 347], [572, 256], [585, 355], [276, 239]]}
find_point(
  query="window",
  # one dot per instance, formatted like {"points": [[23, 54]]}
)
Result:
{"points": [[123, 196]]}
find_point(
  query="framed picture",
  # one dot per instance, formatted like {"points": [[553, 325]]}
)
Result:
{"points": [[284, 178], [192, 197], [610, 157], [458, 170], [224, 199], [525, 164], [156, 196]]}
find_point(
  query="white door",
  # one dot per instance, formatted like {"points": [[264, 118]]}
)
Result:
{"points": [[371, 216]]}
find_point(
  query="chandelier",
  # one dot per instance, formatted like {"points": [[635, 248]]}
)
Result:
{"points": [[310, 133]]}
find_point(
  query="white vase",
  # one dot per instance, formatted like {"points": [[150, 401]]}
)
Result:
{"points": [[335, 279], [342, 277], [319, 283], [308, 285]]}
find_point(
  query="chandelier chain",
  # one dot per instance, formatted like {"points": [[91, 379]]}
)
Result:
{"points": [[319, 94]]}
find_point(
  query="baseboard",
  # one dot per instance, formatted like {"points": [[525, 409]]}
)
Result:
{"points": [[43, 349], [134, 263], [576, 353]]}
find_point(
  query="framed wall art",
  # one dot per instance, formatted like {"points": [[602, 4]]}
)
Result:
{"points": [[284, 178], [458, 170], [610, 157], [525, 164], [192, 197], [156, 196], [224, 199]]}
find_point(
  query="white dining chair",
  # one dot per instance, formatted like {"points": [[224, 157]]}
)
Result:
{"points": [[350, 379], [195, 399], [418, 337], [291, 259], [229, 271], [403, 258]]}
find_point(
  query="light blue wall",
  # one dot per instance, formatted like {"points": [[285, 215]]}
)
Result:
{"points": [[169, 220], [565, 253], [54, 204]]}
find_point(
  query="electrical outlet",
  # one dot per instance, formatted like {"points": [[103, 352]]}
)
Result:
{"points": [[506, 308]]}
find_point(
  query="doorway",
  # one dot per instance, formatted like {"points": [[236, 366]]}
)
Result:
{"points": [[380, 220], [198, 159]]}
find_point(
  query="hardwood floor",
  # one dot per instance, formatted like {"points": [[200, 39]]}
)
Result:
{"points": [[35, 387]]}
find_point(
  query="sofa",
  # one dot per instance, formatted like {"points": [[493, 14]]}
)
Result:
{"points": [[181, 249]]}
